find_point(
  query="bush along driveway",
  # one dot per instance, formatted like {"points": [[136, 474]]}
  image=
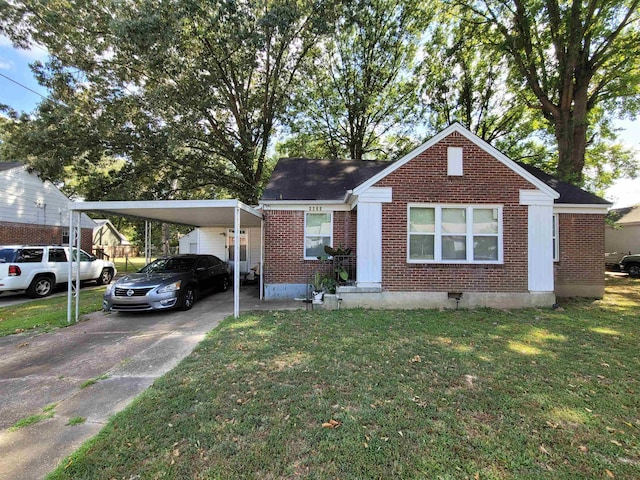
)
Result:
{"points": [[392, 394]]}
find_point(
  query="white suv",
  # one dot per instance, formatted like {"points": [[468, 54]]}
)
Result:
{"points": [[38, 269]]}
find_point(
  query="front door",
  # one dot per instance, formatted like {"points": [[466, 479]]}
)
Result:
{"points": [[243, 249]]}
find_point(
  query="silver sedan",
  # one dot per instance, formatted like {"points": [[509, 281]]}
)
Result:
{"points": [[170, 282]]}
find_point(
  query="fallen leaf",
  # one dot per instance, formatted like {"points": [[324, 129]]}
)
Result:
{"points": [[366, 445], [327, 425], [615, 442], [609, 473], [584, 449], [416, 359], [335, 423], [588, 410], [401, 434], [543, 450], [476, 476], [552, 425]]}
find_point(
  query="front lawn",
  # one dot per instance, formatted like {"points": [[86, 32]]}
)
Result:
{"points": [[46, 314], [359, 394]]}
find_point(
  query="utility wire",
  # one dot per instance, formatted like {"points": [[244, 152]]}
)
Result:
{"points": [[32, 90]]}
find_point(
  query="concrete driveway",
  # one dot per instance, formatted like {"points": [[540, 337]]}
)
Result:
{"points": [[127, 351]]}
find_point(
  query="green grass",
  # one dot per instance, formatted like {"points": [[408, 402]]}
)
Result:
{"points": [[93, 381], [132, 264], [47, 412], [485, 394], [76, 421], [46, 314]]}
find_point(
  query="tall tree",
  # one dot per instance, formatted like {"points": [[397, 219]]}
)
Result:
{"points": [[572, 56], [361, 89], [466, 80], [212, 77]]}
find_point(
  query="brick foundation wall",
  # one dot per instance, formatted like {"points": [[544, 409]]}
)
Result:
{"points": [[28, 234], [284, 236], [485, 181], [580, 269]]}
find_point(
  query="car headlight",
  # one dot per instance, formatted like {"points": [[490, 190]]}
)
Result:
{"points": [[172, 287], [109, 289]]}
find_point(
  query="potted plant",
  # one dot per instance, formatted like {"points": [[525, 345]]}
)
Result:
{"points": [[317, 285]]}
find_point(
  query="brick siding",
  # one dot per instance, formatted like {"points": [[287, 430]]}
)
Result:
{"points": [[424, 179], [581, 259], [28, 234], [284, 236], [485, 181]]}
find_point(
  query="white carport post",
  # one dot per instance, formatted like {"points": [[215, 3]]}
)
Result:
{"points": [[236, 262], [147, 242], [74, 244], [261, 257]]}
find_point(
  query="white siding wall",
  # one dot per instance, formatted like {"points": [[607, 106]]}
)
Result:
{"points": [[254, 246], [212, 241], [624, 239], [25, 198]]}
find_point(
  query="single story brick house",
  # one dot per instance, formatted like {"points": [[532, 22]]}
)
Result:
{"points": [[453, 219]]}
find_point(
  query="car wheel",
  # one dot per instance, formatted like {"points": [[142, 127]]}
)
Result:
{"points": [[40, 287], [224, 286], [634, 270], [105, 277], [188, 298]]}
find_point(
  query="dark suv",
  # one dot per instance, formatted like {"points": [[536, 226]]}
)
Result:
{"points": [[631, 265]]}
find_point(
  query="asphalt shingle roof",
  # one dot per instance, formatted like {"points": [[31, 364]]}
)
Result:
{"points": [[324, 179], [569, 194], [9, 165], [625, 215], [318, 179]]}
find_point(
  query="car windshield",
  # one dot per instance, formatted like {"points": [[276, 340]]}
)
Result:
{"points": [[174, 264], [7, 255]]}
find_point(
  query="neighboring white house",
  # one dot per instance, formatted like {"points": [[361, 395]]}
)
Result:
{"points": [[33, 211], [624, 236], [107, 239], [218, 241]]}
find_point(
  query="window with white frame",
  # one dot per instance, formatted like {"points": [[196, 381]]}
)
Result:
{"points": [[454, 234], [318, 232], [556, 248]]}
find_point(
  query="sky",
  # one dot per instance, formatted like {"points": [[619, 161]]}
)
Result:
{"points": [[14, 63]]}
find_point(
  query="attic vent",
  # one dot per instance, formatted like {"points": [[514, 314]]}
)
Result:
{"points": [[454, 161]]}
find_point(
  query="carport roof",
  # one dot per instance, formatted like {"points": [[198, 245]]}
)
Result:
{"points": [[198, 213]]}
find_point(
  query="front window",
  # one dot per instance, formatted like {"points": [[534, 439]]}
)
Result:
{"points": [[318, 231], [455, 234]]}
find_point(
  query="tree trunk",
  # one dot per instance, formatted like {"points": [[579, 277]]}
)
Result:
{"points": [[571, 135]]}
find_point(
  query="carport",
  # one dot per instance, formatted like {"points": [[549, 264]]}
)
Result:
{"points": [[197, 213]]}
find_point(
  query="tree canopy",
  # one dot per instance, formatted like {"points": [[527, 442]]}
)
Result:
{"points": [[572, 57], [187, 99], [361, 92], [211, 78]]}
